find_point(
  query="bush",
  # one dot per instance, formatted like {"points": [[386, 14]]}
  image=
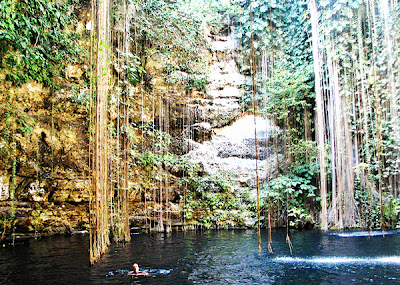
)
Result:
{"points": [[34, 40]]}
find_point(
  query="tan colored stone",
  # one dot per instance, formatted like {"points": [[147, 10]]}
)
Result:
{"points": [[74, 71], [60, 196], [80, 28], [154, 65], [4, 187]]}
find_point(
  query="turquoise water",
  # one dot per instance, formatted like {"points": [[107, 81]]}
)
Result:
{"points": [[210, 257]]}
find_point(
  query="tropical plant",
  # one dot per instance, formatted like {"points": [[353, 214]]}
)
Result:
{"points": [[35, 40], [289, 94], [166, 27], [214, 196]]}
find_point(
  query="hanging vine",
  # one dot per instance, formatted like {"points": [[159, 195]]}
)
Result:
{"points": [[99, 188]]}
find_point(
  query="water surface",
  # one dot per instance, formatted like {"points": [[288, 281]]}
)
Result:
{"points": [[210, 257]]}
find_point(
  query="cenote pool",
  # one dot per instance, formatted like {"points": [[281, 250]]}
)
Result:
{"points": [[210, 257]]}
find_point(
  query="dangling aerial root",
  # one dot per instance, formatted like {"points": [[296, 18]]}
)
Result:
{"points": [[289, 243]]}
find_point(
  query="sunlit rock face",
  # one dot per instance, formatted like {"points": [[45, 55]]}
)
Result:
{"points": [[199, 132], [4, 187], [230, 145], [232, 149], [218, 112], [221, 106]]}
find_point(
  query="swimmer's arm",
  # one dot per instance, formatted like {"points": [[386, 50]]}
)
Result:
{"points": [[140, 273]]}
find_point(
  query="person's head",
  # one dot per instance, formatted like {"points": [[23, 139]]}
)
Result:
{"points": [[136, 268]]}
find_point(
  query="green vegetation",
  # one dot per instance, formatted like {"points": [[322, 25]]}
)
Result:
{"points": [[281, 27], [209, 200], [295, 193], [130, 65], [35, 40], [289, 95], [392, 212], [358, 52], [156, 151], [285, 81], [174, 32], [166, 27], [213, 200], [285, 94], [355, 42], [36, 43]]}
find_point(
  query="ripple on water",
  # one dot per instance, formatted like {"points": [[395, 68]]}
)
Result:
{"points": [[210, 257], [365, 233], [340, 260]]}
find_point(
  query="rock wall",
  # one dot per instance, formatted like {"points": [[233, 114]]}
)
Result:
{"points": [[49, 129], [232, 149], [52, 163], [210, 130]]}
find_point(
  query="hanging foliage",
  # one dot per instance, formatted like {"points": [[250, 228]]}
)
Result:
{"points": [[361, 93], [354, 48], [169, 27], [35, 42], [100, 191]]}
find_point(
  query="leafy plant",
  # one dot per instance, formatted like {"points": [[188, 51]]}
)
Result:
{"points": [[279, 27], [214, 197], [34, 40], [392, 212], [288, 93], [293, 192], [129, 64], [168, 26]]}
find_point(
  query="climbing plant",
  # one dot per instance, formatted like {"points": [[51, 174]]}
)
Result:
{"points": [[284, 75], [36, 40], [169, 27], [301, 192], [213, 201], [280, 27], [356, 46], [288, 97]]}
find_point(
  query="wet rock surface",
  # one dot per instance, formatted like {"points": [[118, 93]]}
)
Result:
{"points": [[45, 217], [232, 149]]}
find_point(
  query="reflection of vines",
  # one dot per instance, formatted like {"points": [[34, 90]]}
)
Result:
{"points": [[4, 223]]}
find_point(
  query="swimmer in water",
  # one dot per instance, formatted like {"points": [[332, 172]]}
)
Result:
{"points": [[136, 271]]}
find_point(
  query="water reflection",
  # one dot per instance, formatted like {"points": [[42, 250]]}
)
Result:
{"points": [[210, 257]]}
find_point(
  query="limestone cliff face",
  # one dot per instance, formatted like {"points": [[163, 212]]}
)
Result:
{"points": [[45, 157], [217, 106], [191, 118], [52, 158]]}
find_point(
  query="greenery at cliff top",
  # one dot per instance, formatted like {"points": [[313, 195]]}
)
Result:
{"points": [[35, 40]]}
